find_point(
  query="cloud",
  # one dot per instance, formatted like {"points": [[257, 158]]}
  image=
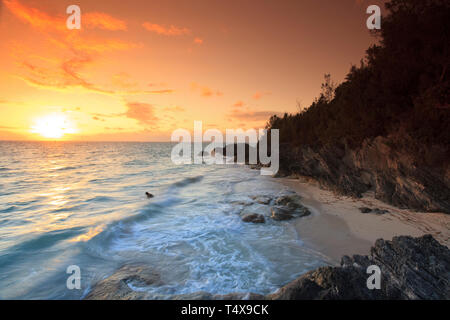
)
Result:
{"points": [[259, 95], [238, 104], [174, 109], [205, 91], [114, 128], [124, 81], [93, 45], [35, 17], [67, 74], [61, 78], [142, 112], [97, 118], [79, 50], [103, 21], [166, 30], [41, 20], [250, 115], [157, 84], [198, 41]]}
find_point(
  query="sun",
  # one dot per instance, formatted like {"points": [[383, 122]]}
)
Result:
{"points": [[53, 126]]}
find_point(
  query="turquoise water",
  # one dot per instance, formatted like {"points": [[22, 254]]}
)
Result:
{"points": [[84, 204]]}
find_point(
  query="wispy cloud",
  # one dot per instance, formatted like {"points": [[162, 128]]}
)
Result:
{"points": [[40, 19], [79, 50], [198, 40], [103, 21], [249, 115], [205, 91], [174, 109], [166, 30], [258, 95], [142, 112], [35, 17]]}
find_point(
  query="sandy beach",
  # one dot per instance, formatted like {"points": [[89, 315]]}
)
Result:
{"points": [[337, 227]]}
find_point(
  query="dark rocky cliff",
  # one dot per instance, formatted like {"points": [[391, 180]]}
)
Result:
{"points": [[384, 165]]}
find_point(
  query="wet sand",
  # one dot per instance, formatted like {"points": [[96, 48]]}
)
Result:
{"points": [[337, 227]]}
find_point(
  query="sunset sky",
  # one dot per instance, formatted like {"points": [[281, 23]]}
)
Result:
{"points": [[139, 69]]}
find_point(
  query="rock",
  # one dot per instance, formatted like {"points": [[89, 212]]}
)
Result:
{"points": [[242, 202], [262, 199], [288, 206], [376, 210], [380, 211], [253, 217], [411, 268], [280, 214], [117, 286], [365, 210], [292, 202]]}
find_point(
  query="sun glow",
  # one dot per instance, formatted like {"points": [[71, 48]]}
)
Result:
{"points": [[53, 126]]}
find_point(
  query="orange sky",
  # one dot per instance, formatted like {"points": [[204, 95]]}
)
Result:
{"points": [[139, 69]]}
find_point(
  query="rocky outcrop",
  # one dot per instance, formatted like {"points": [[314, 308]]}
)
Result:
{"points": [[411, 268], [262, 199], [118, 286], [281, 214], [384, 165], [253, 217], [285, 206]]}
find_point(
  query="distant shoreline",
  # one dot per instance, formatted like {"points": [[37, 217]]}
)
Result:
{"points": [[337, 227]]}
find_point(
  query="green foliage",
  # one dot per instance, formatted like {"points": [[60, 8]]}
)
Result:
{"points": [[402, 85]]}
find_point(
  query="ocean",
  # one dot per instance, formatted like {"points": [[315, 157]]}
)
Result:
{"points": [[84, 204]]}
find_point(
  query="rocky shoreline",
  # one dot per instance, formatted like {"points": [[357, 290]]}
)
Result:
{"points": [[411, 268]]}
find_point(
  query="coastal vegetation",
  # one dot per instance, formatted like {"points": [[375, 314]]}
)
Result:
{"points": [[401, 86]]}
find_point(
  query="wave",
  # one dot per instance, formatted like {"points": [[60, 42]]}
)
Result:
{"points": [[9, 209], [188, 181], [100, 199], [67, 168], [37, 244]]}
